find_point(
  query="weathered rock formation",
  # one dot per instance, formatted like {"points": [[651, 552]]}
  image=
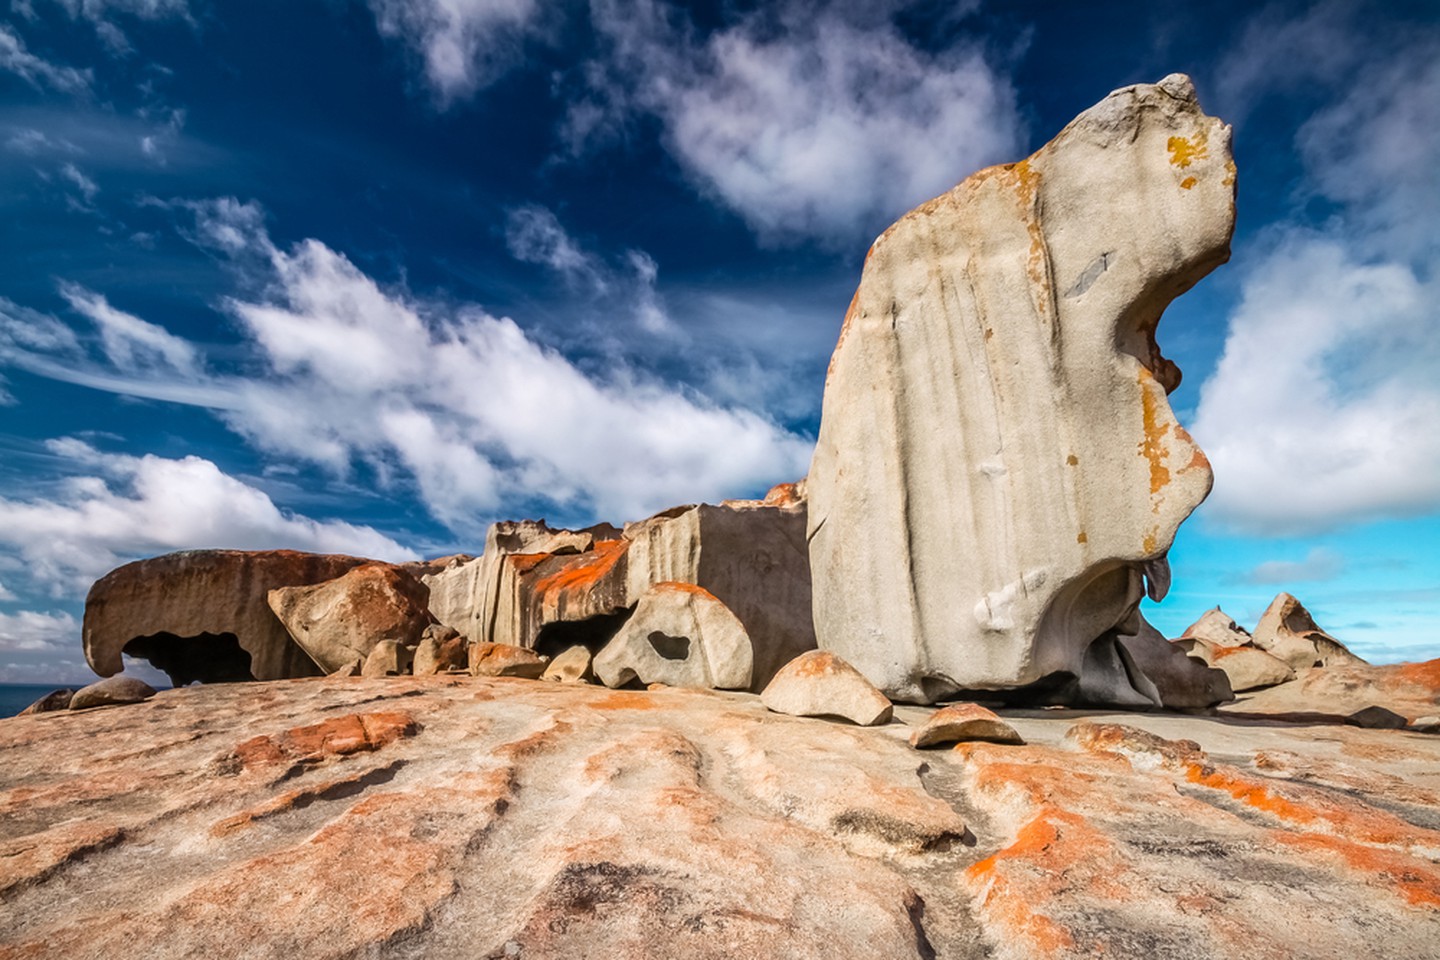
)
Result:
{"points": [[342, 619], [998, 468], [110, 692], [551, 589], [448, 817], [202, 614], [820, 684], [963, 723], [682, 636], [1287, 631], [1218, 628], [1409, 689]]}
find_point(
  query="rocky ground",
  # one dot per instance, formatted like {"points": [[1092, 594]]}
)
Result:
{"points": [[456, 816]]}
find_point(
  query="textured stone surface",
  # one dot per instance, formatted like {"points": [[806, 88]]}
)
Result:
{"points": [[54, 700], [998, 466], [1248, 667], [569, 666], [388, 658], [203, 597], [505, 660], [342, 619], [447, 817], [679, 635], [1287, 631], [1409, 689], [441, 648], [963, 723], [111, 691], [1217, 627], [820, 684], [1179, 682]]}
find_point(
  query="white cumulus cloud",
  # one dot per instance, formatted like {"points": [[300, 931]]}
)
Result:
{"points": [[807, 119], [30, 631], [463, 44], [117, 507]]}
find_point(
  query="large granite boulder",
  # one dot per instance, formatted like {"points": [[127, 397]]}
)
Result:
{"points": [[682, 636], [997, 464], [203, 615], [343, 619], [1287, 631]]}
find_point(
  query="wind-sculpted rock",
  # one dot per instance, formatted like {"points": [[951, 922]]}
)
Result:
{"points": [[997, 466], [337, 621], [1248, 667], [505, 660], [570, 666], [1216, 627], [552, 589], [682, 636], [51, 702], [203, 615], [820, 684], [963, 723], [1287, 631]]}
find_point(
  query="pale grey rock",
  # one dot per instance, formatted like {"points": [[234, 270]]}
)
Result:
{"points": [[1215, 626], [112, 691], [820, 684], [505, 660], [1287, 631], [570, 666], [997, 464], [750, 554], [682, 636]]}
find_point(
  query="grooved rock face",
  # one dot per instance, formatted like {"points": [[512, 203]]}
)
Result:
{"points": [[997, 463], [203, 594], [449, 817], [343, 619]]}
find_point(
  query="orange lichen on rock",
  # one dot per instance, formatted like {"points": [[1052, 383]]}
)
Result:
{"points": [[623, 700], [1415, 880], [783, 495], [590, 569], [1424, 674], [1153, 445], [1186, 150], [1188, 183], [338, 736]]}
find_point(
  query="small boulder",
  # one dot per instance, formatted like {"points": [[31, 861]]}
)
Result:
{"points": [[1217, 627], [572, 666], [680, 635], [113, 690], [52, 701], [505, 660], [388, 658], [820, 684], [1377, 718], [1249, 668], [963, 722], [342, 619], [1424, 725]]}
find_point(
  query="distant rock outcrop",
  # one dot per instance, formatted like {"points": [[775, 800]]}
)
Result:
{"points": [[203, 615], [1287, 631], [998, 469]]}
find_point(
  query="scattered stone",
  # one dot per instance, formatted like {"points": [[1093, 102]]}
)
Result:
{"points": [[571, 666], [52, 701], [388, 658], [1425, 725], [1377, 718], [820, 684], [968, 528], [202, 614], [963, 722], [1287, 631], [342, 619], [112, 691], [505, 660], [682, 636]]}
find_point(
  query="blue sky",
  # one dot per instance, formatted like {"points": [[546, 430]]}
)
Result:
{"points": [[364, 276]]}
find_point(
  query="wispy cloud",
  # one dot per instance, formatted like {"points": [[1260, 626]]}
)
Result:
{"points": [[463, 44], [461, 404], [36, 70], [1322, 410], [1321, 563], [31, 631], [809, 120]]}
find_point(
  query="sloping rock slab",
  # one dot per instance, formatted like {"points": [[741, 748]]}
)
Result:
{"points": [[1409, 689], [457, 817]]}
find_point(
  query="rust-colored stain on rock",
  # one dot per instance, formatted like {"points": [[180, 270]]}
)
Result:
{"points": [[338, 736], [1186, 150]]}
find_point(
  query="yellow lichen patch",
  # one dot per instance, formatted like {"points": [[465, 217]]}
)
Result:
{"points": [[1073, 460], [1188, 182], [1185, 150], [1081, 538], [1229, 180], [1153, 447], [1026, 182]]}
